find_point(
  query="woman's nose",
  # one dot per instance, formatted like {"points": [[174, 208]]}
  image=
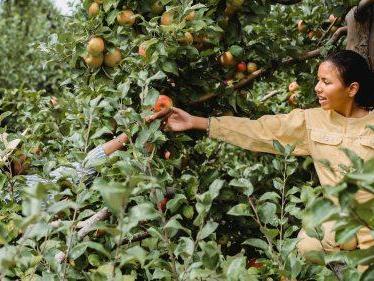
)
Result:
{"points": [[317, 88]]}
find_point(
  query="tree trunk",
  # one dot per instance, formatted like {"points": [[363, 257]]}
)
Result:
{"points": [[360, 37]]}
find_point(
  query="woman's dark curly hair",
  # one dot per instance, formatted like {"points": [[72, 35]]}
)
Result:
{"points": [[353, 67]]}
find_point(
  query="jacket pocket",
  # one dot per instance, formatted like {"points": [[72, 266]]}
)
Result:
{"points": [[367, 141], [326, 138]]}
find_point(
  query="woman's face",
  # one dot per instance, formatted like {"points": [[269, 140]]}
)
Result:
{"points": [[331, 92]]}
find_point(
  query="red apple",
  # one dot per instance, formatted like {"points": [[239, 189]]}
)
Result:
{"points": [[162, 103], [241, 67]]}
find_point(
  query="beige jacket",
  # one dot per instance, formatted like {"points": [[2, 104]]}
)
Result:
{"points": [[315, 132]]}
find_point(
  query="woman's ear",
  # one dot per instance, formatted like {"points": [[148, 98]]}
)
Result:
{"points": [[353, 89]]}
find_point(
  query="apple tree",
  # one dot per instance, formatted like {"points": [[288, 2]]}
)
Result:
{"points": [[173, 206]]}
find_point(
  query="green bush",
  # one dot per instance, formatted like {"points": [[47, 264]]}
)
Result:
{"points": [[230, 214]]}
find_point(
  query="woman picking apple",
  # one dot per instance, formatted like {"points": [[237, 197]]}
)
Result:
{"points": [[345, 93]]}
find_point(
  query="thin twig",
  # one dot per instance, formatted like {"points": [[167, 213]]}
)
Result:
{"points": [[269, 95]]}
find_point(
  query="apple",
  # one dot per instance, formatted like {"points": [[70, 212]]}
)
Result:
{"points": [[162, 204], [188, 212], [166, 18], [112, 59], [157, 8], [96, 46], [167, 154], [293, 86], [253, 263], [311, 34], [318, 33], [332, 18], [94, 61], [293, 99], [19, 163], [227, 59], [93, 10], [301, 26], [142, 51], [241, 67], [162, 102], [187, 39], [191, 16], [126, 17], [251, 67]]}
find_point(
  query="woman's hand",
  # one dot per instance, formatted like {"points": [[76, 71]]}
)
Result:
{"points": [[178, 120]]}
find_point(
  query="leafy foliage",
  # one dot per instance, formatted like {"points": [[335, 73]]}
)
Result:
{"points": [[23, 25], [229, 214]]}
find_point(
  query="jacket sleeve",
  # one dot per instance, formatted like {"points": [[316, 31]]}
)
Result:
{"points": [[258, 135]]}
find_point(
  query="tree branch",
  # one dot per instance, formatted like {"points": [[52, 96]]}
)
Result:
{"points": [[87, 225], [269, 95], [245, 81], [136, 237]]}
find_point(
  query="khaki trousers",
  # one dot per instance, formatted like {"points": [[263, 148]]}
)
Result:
{"points": [[328, 244]]}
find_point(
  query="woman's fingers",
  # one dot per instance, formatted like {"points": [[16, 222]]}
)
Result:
{"points": [[162, 113]]}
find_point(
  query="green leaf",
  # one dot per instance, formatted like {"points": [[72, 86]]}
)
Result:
{"points": [[245, 184], [61, 206], [365, 212], [237, 270], [257, 243], [151, 97], [170, 67], [363, 257], [271, 196], [173, 225], [346, 232], [320, 211], [185, 247], [278, 147], [208, 229], [240, 210], [174, 204], [267, 213], [158, 76], [94, 260], [98, 247], [144, 211], [136, 253], [115, 194], [102, 131], [78, 250], [236, 50]]}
